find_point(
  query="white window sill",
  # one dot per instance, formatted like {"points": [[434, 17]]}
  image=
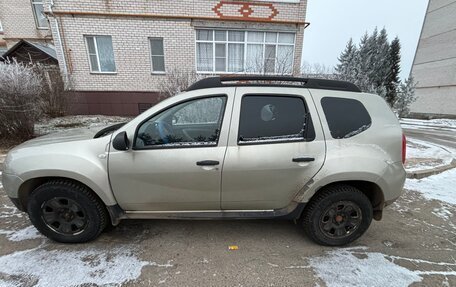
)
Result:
{"points": [[158, 73], [103, 73]]}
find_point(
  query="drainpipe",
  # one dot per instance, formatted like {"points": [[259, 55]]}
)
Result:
{"points": [[65, 67]]}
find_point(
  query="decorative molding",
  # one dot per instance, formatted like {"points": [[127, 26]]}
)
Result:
{"points": [[236, 10]]}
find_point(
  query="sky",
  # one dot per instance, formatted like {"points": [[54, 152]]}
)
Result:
{"points": [[333, 22]]}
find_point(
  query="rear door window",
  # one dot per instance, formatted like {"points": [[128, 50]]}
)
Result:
{"points": [[268, 119], [346, 117]]}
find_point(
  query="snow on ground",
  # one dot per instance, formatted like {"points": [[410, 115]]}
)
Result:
{"points": [[47, 126], [423, 155], [437, 123], [440, 187], [90, 266], [353, 267], [26, 233]]}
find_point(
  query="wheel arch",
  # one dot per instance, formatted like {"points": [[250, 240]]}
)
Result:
{"points": [[28, 186], [370, 189]]}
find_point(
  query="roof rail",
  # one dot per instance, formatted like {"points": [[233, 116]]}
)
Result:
{"points": [[265, 81]]}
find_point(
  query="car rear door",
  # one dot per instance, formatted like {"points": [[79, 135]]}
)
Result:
{"points": [[276, 145]]}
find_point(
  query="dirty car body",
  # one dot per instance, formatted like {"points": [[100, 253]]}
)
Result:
{"points": [[322, 153]]}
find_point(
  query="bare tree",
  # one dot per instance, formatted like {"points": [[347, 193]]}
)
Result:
{"points": [[280, 63], [55, 95], [20, 90], [176, 81], [319, 71]]}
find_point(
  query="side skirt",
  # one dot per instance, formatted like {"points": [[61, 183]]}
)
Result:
{"points": [[290, 212]]}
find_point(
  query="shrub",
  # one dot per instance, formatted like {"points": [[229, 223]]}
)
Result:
{"points": [[20, 90], [54, 97]]}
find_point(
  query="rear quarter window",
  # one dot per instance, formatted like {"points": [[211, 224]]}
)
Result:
{"points": [[346, 117]]}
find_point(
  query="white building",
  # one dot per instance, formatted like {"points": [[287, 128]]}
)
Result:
{"points": [[434, 67]]}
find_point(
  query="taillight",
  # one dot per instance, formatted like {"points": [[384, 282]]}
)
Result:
{"points": [[404, 148]]}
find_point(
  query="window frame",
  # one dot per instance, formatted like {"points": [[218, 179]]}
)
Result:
{"points": [[86, 37], [34, 3], [305, 138], [222, 113], [152, 55], [245, 43]]}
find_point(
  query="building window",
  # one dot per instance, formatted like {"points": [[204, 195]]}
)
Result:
{"points": [[40, 18], [230, 51], [1, 27], [101, 54], [157, 55]]}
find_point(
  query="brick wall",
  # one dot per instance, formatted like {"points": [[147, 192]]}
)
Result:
{"points": [[203, 8], [19, 23], [131, 23]]}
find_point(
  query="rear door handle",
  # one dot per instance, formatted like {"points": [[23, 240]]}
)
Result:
{"points": [[207, 163], [303, 159]]}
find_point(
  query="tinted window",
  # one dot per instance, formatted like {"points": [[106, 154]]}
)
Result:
{"points": [[346, 117], [192, 123], [274, 118]]}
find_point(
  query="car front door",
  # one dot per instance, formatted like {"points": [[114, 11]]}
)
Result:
{"points": [[177, 156], [276, 145]]}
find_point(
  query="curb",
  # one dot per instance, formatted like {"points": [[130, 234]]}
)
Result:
{"points": [[420, 174]]}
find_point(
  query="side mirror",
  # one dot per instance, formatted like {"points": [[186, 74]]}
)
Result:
{"points": [[121, 141]]}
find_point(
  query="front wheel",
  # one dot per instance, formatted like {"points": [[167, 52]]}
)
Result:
{"points": [[67, 212], [337, 215]]}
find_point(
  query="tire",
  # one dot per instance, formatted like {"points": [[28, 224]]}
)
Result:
{"points": [[67, 212], [337, 215]]}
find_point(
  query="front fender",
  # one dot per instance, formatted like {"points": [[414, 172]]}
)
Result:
{"points": [[84, 161], [98, 183]]}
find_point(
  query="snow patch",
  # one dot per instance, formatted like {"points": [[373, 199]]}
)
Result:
{"points": [[75, 267], [7, 211], [437, 187], [424, 155], [443, 212], [343, 268], [47, 126], [27, 233]]}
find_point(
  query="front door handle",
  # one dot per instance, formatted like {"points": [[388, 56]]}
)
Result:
{"points": [[207, 163], [303, 159]]}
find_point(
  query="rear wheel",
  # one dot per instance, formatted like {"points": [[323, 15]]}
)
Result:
{"points": [[338, 215], [67, 212]]}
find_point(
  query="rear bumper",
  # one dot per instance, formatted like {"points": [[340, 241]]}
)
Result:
{"points": [[392, 182]]}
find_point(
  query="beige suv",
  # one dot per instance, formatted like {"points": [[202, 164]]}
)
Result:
{"points": [[318, 152]]}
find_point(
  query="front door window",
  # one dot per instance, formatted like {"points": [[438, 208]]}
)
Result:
{"points": [[188, 124]]}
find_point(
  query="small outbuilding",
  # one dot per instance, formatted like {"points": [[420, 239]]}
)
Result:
{"points": [[29, 52]]}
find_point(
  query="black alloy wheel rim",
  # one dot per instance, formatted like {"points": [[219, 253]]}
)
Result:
{"points": [[64, 216], [341, 219]]}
